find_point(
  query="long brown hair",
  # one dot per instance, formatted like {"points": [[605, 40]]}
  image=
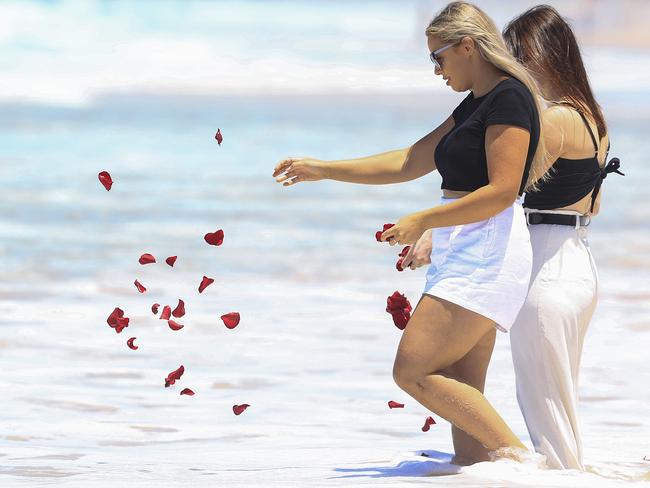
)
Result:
{"points": [[543, 41]]}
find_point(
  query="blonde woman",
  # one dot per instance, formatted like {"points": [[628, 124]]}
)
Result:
{"points": [[486, 151]]}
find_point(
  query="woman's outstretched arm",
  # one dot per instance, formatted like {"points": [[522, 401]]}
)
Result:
{"points": [[379, 169]]}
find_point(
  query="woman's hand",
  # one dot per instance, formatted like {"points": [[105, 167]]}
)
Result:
{"points": [[294, 170], [407, 230], [420, 253]]}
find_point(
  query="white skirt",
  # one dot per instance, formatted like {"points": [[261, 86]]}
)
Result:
{"points": [[484, 266]]}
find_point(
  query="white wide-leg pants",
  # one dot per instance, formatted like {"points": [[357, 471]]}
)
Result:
{"points": [[547, 338]]}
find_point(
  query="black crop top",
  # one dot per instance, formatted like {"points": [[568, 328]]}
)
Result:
{"points": [[460, 155], [571, 180]]}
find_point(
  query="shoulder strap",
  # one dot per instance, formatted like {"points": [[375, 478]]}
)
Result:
{"points": [[593, 138]]}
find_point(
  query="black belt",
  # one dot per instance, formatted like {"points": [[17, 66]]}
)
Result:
{"points": [[534, 218]]}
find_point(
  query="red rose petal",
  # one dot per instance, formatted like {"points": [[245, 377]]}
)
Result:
{"points": [[171, 260], [174, 325], [218, 136], [139, 286], [147, 259], [214, 238], [231, 320], [400, 308], [154, 308], [401, 319], [117, 320], [105, 179], [239, 409], [179, 311], [427, 424], [187, 391], [380, 232], [174, 375], [166, 313], [398, 264], [205, 282], [130, 343], [404, 252], [392, 404]]}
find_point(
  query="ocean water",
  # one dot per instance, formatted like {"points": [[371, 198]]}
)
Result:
{"points": [[314, 350]]}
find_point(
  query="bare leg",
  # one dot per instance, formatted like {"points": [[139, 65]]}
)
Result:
{"points": [[471, 369], [439, 334]]}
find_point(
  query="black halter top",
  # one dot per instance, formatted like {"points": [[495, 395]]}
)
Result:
{"points": [[572, 179]]}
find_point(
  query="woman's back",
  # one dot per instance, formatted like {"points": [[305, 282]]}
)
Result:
{"points": [[574, 152]]}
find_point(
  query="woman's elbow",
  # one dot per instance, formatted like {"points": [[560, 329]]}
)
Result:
{"points": [[505, 195]]}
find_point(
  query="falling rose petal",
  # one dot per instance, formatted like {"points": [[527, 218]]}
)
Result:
{"points": [[166, 313], [173, 325], [171, 260], [139, 286], [130, 343], [214, 238], [147, 259], [105, 179], [397, 301], [154, 308], [398, 264], [392, 404], [187, 391], [174, 375], [239, 409], [218, 136], [427, 424], [380, 232], [205, 282], [231, 320], [401, 319], [117, 320], [400, 309], [179, 311]]}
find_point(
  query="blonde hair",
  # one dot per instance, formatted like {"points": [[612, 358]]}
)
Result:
{"points": [[461, 19]]}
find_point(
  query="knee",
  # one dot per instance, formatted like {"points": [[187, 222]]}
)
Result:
{"points": [[407, 378]]}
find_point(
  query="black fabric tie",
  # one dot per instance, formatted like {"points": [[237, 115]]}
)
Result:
{"points": [[612, 167]]}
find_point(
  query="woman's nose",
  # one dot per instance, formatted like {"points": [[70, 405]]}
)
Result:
{"points": [[437, 70]]}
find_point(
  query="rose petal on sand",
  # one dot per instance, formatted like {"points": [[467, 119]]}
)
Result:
{"points": [[218, 136], [187, 391], [214, 238], [205, 282], [171, 260], [173, 325], [179, 311], [392, 404], [231, 320], [139, 286], [105, 179], [154, 308], [380, 232], [147, 259], [130, 343], [239, 409], [174, 375], [117, 320], [166, 313], [427, 424]]}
